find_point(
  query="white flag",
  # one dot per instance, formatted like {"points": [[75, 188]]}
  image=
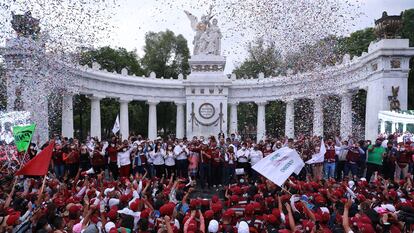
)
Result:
{"points": [[279, 165], [116, 127], [319, 157]]}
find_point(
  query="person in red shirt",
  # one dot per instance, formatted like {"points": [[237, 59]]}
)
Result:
{"points": [[71, 160], [57, 161], [98, 160], [112, 154], [329, 165], [404, 154], [216, 164], [205, 166]]}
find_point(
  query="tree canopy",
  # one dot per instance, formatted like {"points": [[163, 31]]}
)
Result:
{"points": [[262, 58], [113, 60], [166, 54]]}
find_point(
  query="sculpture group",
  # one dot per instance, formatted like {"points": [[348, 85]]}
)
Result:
{"points": [[208, 36]]}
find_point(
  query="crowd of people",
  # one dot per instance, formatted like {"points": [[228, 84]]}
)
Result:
{"points": [[208, 185]]}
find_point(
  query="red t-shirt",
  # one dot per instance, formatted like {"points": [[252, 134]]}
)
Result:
{"points": [[204, 158], [112, 153]]}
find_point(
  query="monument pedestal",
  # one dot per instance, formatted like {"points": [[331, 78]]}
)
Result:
{"points": [[206, 96]]}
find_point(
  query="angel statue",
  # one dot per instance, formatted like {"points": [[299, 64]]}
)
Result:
{"points": [[201, 39]]}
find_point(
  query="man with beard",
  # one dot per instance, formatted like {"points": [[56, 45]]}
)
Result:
{"points": [[389, 161]]}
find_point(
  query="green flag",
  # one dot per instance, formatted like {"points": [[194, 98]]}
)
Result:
{"points": [[23, 136]]}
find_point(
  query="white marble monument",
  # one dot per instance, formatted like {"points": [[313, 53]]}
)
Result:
{"points": [[206, 87]]}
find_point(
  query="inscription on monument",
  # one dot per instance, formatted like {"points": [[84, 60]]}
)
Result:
{"points": [[206, 110]]}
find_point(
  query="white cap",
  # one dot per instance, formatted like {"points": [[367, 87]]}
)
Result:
{"points": [[113, 201], [243, 227], [109, 226], [108, 190], [213, 226]]}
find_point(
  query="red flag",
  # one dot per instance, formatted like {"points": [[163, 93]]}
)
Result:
{"points": [[39, 165]]}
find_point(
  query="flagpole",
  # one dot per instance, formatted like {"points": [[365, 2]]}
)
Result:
{"points": [[43, 185]]}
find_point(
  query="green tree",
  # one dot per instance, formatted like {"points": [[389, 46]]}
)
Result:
{"points": [[263, 58], [358, 42], [166, 54], [408, 32], [408, 25], [113, 60]]}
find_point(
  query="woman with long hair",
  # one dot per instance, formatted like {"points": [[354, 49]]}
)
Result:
{"points": [[159, 154]]}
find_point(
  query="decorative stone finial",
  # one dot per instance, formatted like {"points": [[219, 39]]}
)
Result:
{"points": [[261, 75], [153, 75], [180, 77], [124, 71], [96, 66]]}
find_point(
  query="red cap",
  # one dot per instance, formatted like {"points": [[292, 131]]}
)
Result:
{"points": [[209, 214], [112, 214], [392, 193], [124, 198], [145, 213], [216, 207], [308, 225], [271, 219], [12, 219], [167, 209], [249, 209], [214, 199], [74, 209], [228, 213], [134, 206], [194, 203], [234, 198], [276, 213]]}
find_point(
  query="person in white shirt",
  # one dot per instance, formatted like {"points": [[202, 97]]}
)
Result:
{"points": [[181, 154], [169, 158], [243, 158], [158, 160], [124, 159], [255, 156]]}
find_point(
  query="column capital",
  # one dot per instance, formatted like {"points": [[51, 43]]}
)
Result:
{"points": [[179, 102], [153, 102], [234, 103], [261, 103], [289, 100], [96, 97], [124, 100], [345, 94]]}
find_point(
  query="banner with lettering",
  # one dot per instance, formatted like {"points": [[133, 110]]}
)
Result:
{"points": [[23, 136], [318, 157], [279, 165]]}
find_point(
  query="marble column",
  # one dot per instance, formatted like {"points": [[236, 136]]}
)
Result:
{"points": [[404, 127], [96, 116], [382, 126], [393, 129], [67, 116], [346, 115], [318, 116], [124, 118], [233, 117], [152, 119], [290, 119], [261, 120], [179, 130]]}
